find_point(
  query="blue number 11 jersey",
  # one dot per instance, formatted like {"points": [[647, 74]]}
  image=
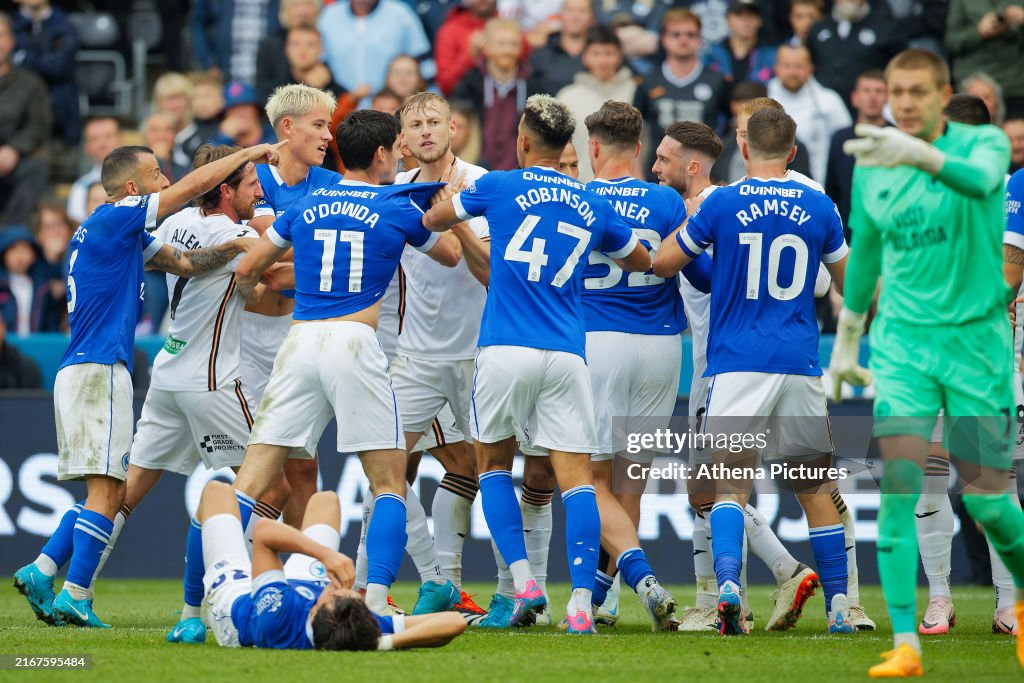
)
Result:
{"points": [[769, 237], [543, 227]]}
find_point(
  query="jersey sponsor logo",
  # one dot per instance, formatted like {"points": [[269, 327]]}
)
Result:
{"points": [[916, 239], [270, 600], [174, 346], [219, 442]]}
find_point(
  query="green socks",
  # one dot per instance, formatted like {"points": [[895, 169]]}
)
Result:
{"points": [[897, 542], [1004, 525]]}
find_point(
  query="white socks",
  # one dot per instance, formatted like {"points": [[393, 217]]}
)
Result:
{"points": [[767, 546], [703, 564]]}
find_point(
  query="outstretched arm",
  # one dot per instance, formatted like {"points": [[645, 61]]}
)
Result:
{"points": [[260, 257], [198, 261], [428, 630]]}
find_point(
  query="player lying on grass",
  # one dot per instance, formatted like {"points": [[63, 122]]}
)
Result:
{"points": [[306, 603]]}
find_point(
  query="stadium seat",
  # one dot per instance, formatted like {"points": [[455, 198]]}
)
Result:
{"points": [[95, 30], [103, 87]]}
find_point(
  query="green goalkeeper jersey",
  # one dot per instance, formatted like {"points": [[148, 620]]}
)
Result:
{"points": [[936, 241]]}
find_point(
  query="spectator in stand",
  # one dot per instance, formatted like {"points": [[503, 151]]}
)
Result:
{"points": [[172, 95], [386, 101], [94, 196], [858, 36], [100, 135], [17, 371], [46, 44], [818, 111], [158, 134], [466, 138], [24, 133], [556, 63], [271, 63], [26, 302], [729, 166], [988, 36], [982, 86], [361, 37], [244, 122], [207, 104], [922, 23], [303, 49], [638, 24], [52, 229], [498, 90], [460, 40], [739, 57], [869, 98], [682, 88], [605, 78], [404, 77], [226, 35], [1014, 129], [803, 14]]}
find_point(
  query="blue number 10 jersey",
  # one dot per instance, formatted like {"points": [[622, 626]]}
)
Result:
{"points": [[348, 241], [543, 227], [769, 237]]}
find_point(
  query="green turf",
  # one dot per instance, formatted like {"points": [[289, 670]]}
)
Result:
{"points": [[142, 612]]}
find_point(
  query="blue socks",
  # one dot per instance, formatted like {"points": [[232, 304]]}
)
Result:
{"points": [[634, 567], [91, 535], [504, 519], [582, 535], [61, 544], [385, 539], [727, 541], [829, 546], [194, 565], [602, 584]]}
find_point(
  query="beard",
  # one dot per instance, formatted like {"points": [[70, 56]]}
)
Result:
{"points": [[430, 156]]}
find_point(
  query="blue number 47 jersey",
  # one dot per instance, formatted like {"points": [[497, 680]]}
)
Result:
{"points": [[769, 237], [543, 227], [348, 241]]}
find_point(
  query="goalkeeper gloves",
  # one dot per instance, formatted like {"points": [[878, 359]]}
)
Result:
{"points": [[844, 366], [889, 146]]}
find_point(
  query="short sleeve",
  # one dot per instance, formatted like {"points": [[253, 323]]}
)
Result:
{"points": [[263, 208], [280, 233], [835, 242], [1014, 234], [137, 213], [150, 246], [618, 239], [474, 199]]}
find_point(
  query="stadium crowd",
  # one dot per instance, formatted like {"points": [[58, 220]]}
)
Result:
{"points": [[674, 59]]}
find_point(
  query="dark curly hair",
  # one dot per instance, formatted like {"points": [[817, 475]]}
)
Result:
{"points": [[345, 624]]}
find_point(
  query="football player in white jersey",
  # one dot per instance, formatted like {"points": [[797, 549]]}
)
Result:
{"points": [[302, 115]]}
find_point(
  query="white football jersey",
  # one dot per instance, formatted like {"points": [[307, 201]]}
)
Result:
{"points": [[442, 307], [391, 305], [204, 340], [697, 306]]}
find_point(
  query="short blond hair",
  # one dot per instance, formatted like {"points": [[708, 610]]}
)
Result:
{"points": [[296, 100], [751, 107], [424, 100], [501, 23], [170, 84]]}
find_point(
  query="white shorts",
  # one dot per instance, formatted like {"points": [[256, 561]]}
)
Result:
{"points": [[326, 370], [697, 407], [178, 429], [635, 379], [228, 575], [789, 412], [541, 397], [441, 432], [424, 388], [262, 337], [92, 405]]}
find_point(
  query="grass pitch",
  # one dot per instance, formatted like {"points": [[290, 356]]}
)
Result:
{"points": [[143, 611]]}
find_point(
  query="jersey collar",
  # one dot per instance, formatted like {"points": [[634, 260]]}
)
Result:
{"points": [[280, 180], [309, 629], [614, 181]]}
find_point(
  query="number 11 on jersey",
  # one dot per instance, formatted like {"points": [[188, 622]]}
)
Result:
{"points": [[330, 238]]}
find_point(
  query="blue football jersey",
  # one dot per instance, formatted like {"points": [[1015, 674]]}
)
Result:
{"points": [[543, 227], [1014, 213], [107, 256], [348, 241], [278, 197], [769, 237], [638, 303], [276, 615]]}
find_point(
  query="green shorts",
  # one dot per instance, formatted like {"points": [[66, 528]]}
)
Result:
{"points": [[966, 370]]}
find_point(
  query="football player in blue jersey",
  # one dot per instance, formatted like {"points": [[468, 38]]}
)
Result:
{"points": [[93, 389], [348, 241], [531, 383], [763, 348], [302, 115], [304, 603], [634, 351]]}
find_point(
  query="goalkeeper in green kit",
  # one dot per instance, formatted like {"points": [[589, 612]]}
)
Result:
{"points": [[928, 216]]}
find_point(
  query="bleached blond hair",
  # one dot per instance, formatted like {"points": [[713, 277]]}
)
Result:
{"points": [[550, 119], [296, 100]]}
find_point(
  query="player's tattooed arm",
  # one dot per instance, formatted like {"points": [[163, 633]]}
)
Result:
{"points": [[197, 261], [1013, 265]]}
